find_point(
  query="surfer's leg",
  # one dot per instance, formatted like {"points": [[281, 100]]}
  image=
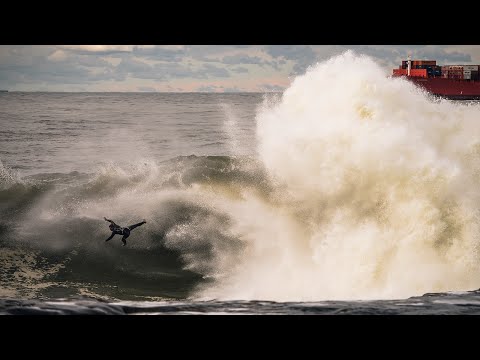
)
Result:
{"points": [[131, 227], [124, 237], [126, 234]]}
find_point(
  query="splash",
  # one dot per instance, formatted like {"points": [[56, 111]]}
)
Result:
{"points": [[377, 192], [230, 126], [9, 177]]}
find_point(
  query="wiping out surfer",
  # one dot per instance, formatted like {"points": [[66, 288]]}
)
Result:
{"points": [[125, 231]]}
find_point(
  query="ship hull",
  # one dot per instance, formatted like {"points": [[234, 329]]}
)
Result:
{"points": [[449, 88]]}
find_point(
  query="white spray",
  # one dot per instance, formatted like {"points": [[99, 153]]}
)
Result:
{"points": [[231, 128], [377, 192]]}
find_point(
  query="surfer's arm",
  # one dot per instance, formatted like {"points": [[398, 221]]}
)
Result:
{"points": [[111, 236], [110, 221]]}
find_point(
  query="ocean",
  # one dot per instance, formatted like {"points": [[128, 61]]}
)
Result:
{"points": [[349, 193]]}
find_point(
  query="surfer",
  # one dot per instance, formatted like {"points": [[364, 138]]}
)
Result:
{"points": [[118, 230]]}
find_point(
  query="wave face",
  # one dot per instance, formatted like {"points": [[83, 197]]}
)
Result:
{"points": [[53, 230], [362, 187]]}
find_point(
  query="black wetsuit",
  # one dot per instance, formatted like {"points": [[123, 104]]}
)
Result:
{"points": [[125, 231]]}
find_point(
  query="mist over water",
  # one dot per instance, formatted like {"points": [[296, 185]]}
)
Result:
{"points": [[350, 185]]}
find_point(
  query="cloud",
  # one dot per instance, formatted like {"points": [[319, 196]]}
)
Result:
{"points": [[160, 53], [443, 55], [134, 67], [199, 50], [290, 52], [210, 70], [44, 72], [302, 55], [242, 59], [390, 55], [52, 66], [215, 53], [97, 49], [168, 70], [58, 55], [178, 67], [240, 70], [89, 61]]}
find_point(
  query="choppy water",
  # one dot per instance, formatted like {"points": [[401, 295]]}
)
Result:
{"points": [[467, 303], [345, 194]]}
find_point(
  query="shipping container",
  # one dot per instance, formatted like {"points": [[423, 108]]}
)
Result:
{"points": [[399, 72], [419, 73], [470, 67]]}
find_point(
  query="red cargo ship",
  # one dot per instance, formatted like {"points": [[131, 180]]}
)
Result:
{"points": [[458, 82]]}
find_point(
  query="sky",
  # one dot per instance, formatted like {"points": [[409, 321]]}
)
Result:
{"points": [[191, 68]]}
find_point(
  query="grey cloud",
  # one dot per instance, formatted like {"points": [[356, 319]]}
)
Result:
{"points": [[290, 52], [207, 59], [213, 53], [84, 60], [31, 65], [302, 55], [34, 66], [443, 56], [205, 50], [214, 71], [44, 72], [389, 55], [96, 53], [74, 71], [89, 50], [132, 66], [169, 70], [160, 54], [241, 59], [24, 55], [107, 74], [240, 70]]}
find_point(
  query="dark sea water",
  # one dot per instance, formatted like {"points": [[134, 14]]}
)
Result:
{"points": [[214, 241]]}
